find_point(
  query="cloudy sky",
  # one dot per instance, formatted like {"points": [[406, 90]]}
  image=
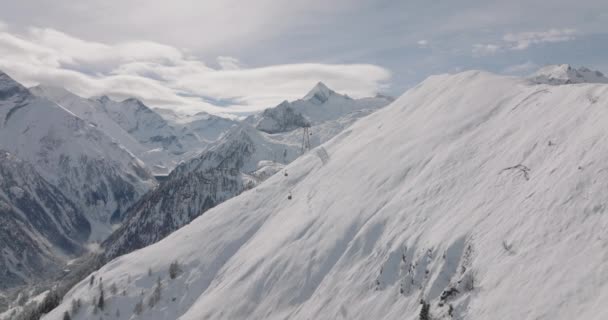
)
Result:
{"points": [[232, 56]]}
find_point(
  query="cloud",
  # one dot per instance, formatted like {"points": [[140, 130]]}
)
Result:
{"points": [[480, 50], [522, 68], [228, 63], [165, 76], [423, 43], [523, 40]]}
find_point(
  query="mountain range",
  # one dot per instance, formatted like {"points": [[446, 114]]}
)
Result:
{"points": [[472, 196], [80, 171]]}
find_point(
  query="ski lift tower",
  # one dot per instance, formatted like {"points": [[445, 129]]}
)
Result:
{"points": [[306, 138]]}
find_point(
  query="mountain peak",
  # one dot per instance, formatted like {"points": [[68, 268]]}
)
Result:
{"points": [[9, 87], [566, 74], [320, 93]]}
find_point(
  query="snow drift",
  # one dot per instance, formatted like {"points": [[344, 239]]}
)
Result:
{"points": [[480, 194]]}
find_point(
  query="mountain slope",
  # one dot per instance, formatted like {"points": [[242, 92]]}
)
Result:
{"points": [[241, 158], [478, 193], [92, 170], [39, 226], [222, 171]]}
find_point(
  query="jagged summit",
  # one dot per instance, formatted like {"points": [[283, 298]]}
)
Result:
{"points": [[566, 74], [9, 87], [320, 93]]}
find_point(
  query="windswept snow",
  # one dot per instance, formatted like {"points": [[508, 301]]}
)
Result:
{"points": [[481, 194]]}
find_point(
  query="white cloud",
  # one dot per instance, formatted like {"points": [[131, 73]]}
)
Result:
{"points": [[522, 68], [165, 76], [423, 43], [480, 50], [228, 63], [523, 40]]}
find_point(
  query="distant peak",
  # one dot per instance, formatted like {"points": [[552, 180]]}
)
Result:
{"points": [[9, 87], [7, 81], [320, 93], [566, 74]]}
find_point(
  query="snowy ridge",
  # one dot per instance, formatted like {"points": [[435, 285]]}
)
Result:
{"points": [[479, 194], [95, 172], [320, 105], [156, 141], [566, 74]]}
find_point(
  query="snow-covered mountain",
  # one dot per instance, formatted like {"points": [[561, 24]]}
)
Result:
{"points": [[238, 161], [209, 127], [481, 195], [242, 158], [156, 141], [320, 105], [39, 227], [94, 171], [566, 74], [147, 126]]}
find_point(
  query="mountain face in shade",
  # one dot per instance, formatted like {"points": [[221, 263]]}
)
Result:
{"points": [[39, 227]]}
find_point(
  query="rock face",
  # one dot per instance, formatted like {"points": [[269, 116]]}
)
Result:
{"points": [[566, 74], [39, 227], [479, 195], [94, 171]]}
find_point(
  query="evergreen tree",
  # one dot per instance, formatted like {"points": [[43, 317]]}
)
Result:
{"points": [[101, 301], [139, 307], [174, 269], [113, 289], [425, 311], [75, 306], [66, 316]]}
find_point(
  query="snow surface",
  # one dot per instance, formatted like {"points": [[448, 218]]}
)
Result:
{"points": [[482, 194]]}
